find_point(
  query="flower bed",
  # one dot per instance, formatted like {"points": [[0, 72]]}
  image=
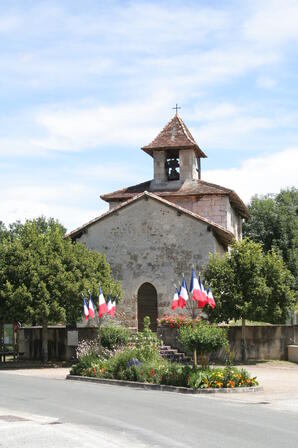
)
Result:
{"points": [[175, 321], [141, 362], [171, 374]]}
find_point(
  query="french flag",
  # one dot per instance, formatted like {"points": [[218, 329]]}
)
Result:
{"points": [[195, 287], [91, 307], [211, 300], [183, 295], [114, 307], [102, 306], [175, 301], [111, 307], [86, 310], [204, 298]]}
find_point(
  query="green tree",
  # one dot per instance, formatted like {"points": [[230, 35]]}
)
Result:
{"points": [[42, 275], [274, 223], [250, 285], [204, 338]]}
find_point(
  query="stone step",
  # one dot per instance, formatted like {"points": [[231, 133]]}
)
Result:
{"points": [[172, 354], [172, 350]]}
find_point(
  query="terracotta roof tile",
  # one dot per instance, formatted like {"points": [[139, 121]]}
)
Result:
{"points": [[175, 135], [196, 188]]}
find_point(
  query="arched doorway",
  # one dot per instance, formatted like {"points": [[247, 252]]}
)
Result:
{"points": [[147, 305]]}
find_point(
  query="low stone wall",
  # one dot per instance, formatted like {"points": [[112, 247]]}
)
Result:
{"points": [[62, 341], [263, 342], [293, 353]]}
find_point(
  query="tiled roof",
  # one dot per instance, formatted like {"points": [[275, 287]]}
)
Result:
{"points": [[175, 135], [196, 188], [224, 235]]}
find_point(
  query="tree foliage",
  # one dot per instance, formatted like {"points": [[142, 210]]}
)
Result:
{"points": [[204, 337], [248, 284], [42, 274], [274, 223]]}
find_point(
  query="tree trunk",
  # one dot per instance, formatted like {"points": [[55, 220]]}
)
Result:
{"points": [[195, 359], [45, 354], [243, 342], [1, 338], [99, 346]]}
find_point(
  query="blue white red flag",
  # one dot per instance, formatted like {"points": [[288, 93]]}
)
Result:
{"points": [[86, 310], [203, 298], [114, 307], [111, 305], [175, 300], [91, 307], [211, 300], [195, 287], [183, 295], [102, 306]]}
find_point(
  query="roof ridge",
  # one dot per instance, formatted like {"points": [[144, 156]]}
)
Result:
{"points": [[186, 131], [218, 227], [214, 185]]}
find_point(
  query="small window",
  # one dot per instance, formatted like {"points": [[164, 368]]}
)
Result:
{"points": [[173, 166]]}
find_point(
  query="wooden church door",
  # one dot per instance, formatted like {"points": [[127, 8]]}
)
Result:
{"points": [[147, 306]]}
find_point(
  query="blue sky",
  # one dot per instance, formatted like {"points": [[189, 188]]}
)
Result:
{"points": [[85, 84]]}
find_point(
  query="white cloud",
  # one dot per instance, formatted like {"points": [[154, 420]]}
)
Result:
{"points": [[260, 175], [76, 128], [227, 125], [113, 173], [9, 23], [273, 22], [266, 82], [29, 200]]}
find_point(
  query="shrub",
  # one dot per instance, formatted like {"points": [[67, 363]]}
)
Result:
{"points": [[146, 343], [149, 373], [121, 362], [85, 362], [174, 374], [113, 336], [87, 347], [205, 338]]}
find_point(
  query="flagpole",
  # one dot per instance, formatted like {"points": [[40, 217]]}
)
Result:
{"points": [[99, 326]]}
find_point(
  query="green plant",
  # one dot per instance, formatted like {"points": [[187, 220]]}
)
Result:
{"points": [[113, 336], [174, 374], [147, 343], [120, 362], [86, 362], [229, 377], [205, 338]]}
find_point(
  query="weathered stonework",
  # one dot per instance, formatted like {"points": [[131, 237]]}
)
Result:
{"points": [[149, 242], [155, 231]]}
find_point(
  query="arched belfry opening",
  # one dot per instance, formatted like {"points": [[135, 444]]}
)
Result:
{"points": [[147, 305]]}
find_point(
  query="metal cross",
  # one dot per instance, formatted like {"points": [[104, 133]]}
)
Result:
{"points": [[176, 107]]}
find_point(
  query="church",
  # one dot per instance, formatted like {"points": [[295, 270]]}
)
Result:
{"points": [[157, 230]]}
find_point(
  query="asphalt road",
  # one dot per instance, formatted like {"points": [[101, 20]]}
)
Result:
{"points": [[58, 413]]}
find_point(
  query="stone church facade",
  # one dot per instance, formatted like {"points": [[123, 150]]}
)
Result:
{"points": [[156, 230]]}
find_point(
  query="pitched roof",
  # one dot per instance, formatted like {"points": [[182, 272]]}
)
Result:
{"points": [[175, 135], [195, 188], [224, 235]]}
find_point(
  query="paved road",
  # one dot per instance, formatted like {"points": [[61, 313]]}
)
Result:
{"points": [[60, 413]]}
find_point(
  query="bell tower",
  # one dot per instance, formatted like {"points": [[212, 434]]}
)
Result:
{"points": [[176, 155]]}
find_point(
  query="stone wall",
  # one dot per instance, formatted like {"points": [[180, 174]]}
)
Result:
{"points": [[216, 208], [263, 342], [30, 342], [148, 241]]}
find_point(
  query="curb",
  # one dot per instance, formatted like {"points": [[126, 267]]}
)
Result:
{"points": [[162, 387]]}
